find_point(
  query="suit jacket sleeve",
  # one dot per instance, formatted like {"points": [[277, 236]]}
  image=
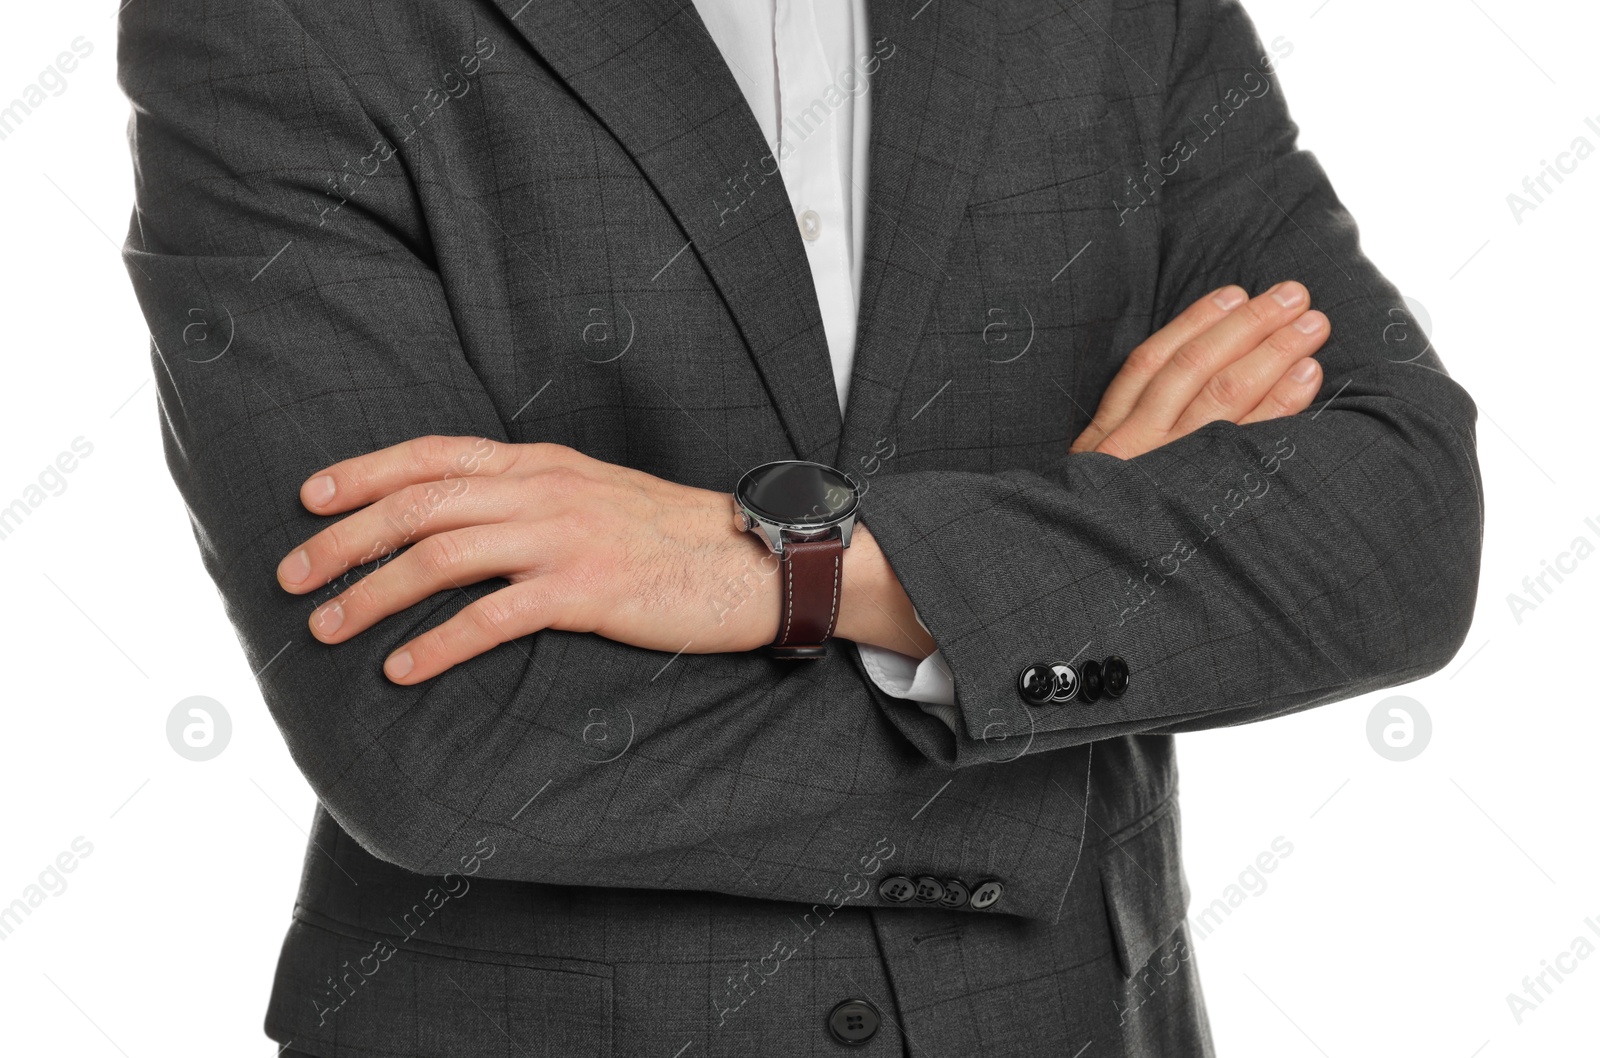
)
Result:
{"points": [[1243, 572], [284, 266]]}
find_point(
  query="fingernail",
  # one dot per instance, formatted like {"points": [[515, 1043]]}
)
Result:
{"points": [[329, 618], [319, 490], [1304, 371], [1310, 323], [1229, 298], [1288, 295], [398, 665], [295, 568]]}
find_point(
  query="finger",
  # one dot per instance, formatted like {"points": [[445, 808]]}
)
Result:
{"points": [[1238, 388], [508, 614], [357, 482], [1151, 355], [1177, 384], [1290, 395], [438, 563], [414, 512]]}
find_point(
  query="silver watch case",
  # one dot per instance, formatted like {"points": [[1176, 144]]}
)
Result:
{"points": [[774, 533]]}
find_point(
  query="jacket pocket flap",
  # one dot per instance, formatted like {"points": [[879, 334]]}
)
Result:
{"points": [[340, 992]]}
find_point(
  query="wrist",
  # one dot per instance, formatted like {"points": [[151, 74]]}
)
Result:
{"points": [[751, 592], [874, 608]]}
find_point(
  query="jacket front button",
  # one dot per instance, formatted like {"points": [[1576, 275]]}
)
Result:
{"points": [[854, 1022]]}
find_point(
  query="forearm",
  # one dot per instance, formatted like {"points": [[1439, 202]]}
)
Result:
{"points": [[586, 761], [1242, 572]]}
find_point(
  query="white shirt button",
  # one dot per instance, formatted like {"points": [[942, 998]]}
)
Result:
{"points": [[810, 226]]}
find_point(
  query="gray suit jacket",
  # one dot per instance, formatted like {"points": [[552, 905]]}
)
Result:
{"points": [[534, 220]]}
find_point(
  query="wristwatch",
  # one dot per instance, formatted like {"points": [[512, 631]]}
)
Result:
{"points": [[804, 513]]}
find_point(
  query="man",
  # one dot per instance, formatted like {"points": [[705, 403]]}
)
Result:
{"points": [[541, 320]]}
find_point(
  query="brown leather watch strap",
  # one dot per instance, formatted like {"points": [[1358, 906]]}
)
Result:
{"points": [[812, 574]]}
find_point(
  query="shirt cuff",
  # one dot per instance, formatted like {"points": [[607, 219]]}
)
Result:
{"points": [[928, 682]]}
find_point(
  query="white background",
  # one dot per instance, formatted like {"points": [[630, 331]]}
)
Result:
{"points": [[1418, 895]]}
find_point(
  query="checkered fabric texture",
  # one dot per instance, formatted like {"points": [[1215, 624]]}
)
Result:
{"points": [[545, 221]]}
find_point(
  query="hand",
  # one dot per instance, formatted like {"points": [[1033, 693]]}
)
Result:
{"points": [[587, 547], [1225, 357]]}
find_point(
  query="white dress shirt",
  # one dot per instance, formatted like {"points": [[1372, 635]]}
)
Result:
{"points": [[802, 65]]}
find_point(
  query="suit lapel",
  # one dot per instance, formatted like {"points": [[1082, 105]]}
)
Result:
{"points": [[931, 101], [651, 73]]}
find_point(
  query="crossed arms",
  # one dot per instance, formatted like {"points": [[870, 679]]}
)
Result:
{"points": [[1346, 558]]}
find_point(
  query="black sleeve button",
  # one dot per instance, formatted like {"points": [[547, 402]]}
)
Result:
{"points": [[897, 887], [1036, 684], [955, 894], [1091, 684], [854, 1022], [1114, 674], [986, 895], [1066, 678], [929, 889]]}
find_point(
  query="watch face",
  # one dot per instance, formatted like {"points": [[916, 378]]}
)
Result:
{"points": [[796, 493]]}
